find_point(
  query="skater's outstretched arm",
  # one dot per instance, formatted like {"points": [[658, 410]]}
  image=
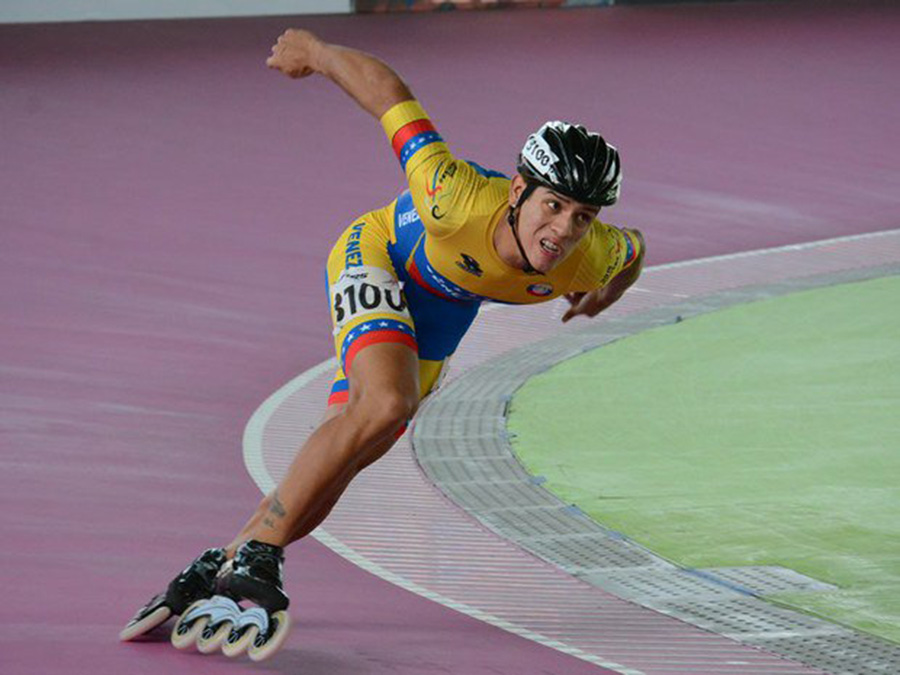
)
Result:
{"points": [[591, 304], [369, 81]]}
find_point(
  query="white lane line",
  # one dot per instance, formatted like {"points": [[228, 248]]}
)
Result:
{"points": [[776, 249], [253, 432], [338, 547], [253, 458]]}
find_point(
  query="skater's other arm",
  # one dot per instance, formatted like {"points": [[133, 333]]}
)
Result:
{"points": [[369, 81]]}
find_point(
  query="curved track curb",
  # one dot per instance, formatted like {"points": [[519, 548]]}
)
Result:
{"points": [[484, 477]]}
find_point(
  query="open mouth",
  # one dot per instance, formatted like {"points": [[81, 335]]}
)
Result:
{"points": [[550, 247]]}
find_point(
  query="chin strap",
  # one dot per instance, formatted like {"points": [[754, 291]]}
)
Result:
{"points": [[512, 219]]}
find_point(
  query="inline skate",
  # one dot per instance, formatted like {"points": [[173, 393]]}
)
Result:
{"points": [[220, 622], [197, 581]]}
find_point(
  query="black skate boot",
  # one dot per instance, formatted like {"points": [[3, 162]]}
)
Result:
{"points": [[196, 581], [254, 576]]}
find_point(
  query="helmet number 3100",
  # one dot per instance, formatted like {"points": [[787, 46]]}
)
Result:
{"points": [[538, 153]]}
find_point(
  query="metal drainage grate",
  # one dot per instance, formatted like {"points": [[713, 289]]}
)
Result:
{"points": [[848, 654], [501, 495], [745, 617], [521, 523], [766, 580], [661, 583], [582, 554]]}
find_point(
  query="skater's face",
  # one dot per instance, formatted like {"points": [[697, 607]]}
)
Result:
{"points": [[550, 225]]}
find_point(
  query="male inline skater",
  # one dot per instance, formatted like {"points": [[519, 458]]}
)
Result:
{"points": [[405, 283]]}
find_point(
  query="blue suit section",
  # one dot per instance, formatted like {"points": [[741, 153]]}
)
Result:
{"points": [[440, 323]]}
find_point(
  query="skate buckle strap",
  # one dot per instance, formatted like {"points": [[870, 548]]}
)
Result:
{"points": [[261, 548], [254, 616], [217, 608]]}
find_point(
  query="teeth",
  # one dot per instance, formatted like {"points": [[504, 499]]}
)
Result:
{"points": [[549, 246]]}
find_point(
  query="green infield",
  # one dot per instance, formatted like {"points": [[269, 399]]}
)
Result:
{"points": [[762, 434]]}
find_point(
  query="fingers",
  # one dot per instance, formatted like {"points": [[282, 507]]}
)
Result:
{"points": [[576, 300], [587, 304], [292, 53], [572, 312], [275, 60], [291, 70]]}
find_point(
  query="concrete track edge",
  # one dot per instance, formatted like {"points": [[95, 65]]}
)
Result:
{"points": [[728, 601]]}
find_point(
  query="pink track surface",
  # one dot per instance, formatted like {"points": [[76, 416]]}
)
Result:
{"points": [[167, 206]]}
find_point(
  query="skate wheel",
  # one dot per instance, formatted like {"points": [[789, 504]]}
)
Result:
{"points": [[279, 626], [238, 640], [212, 637], [138, 626], [189, 627]]}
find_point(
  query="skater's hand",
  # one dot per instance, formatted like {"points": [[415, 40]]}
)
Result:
{"points": [[590, 304], [296, 53]]}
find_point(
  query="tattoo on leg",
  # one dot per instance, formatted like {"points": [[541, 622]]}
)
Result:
{"points": [[268, 522], [276, 506]]}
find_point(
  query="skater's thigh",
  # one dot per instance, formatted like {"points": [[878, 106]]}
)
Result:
{"points": [[385, 374], [374, 333], [383, 395]]}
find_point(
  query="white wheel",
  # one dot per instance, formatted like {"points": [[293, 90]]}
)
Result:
{"points": [[189, 627], [250, 623], [207, 645], [221, 614], [152, 620], [236, 647], [282, 623], [184, 636]]}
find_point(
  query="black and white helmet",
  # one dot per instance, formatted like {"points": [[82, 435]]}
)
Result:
{"points": [[573, 161]]}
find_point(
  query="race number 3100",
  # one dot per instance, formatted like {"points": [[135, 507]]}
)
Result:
{"points": [[364, 298]]}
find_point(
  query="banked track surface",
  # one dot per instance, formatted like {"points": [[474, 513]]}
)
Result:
{"points": [[396, 523]]}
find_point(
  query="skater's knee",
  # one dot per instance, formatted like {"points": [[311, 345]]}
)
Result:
{"points": [[390, 411], [383, 414]]}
